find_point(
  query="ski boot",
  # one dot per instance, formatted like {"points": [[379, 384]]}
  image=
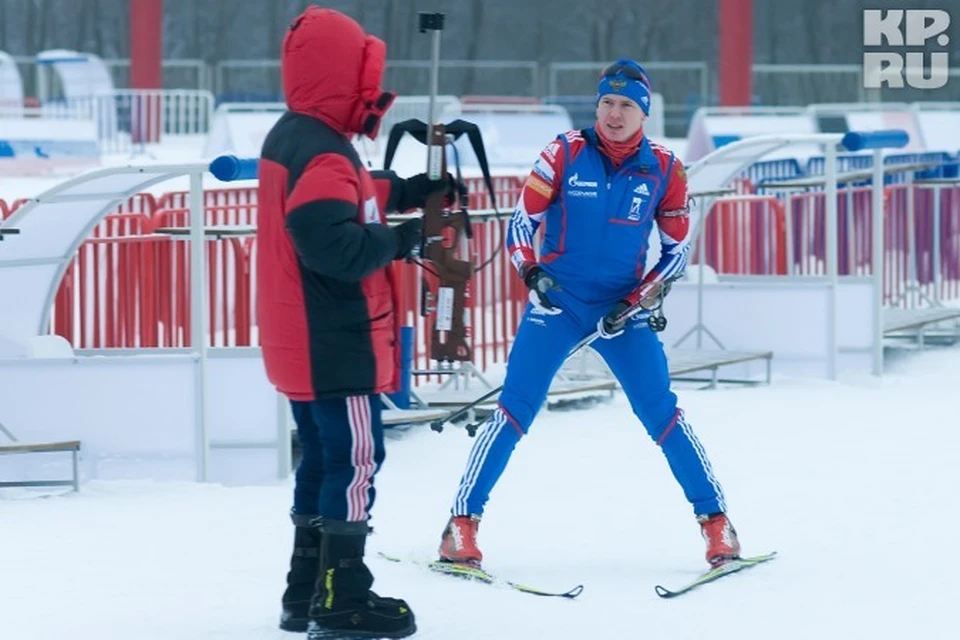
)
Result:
{"points": [[458, 544], [721, 538]]}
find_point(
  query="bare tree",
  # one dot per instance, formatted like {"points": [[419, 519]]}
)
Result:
{"points": [[81, 31], [3, 26], [473, 44], [544, 31]]}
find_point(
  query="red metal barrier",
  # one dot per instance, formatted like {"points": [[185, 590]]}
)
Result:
{"points": [[745, 234], [228, 277], [211, 198], [143, 203], [108, 294], [89, 313], [950, 243], [214, 215], [506, 188], [807, 239], [73, 311], [129, 287]]}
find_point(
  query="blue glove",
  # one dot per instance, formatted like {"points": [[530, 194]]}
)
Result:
{"points": [[540, 282]]}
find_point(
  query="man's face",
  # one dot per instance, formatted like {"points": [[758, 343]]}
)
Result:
{"points": [[619, 117]]}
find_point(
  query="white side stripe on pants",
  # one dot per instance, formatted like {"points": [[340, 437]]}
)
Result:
{"points": [[361, 457], [704, 462], [478, 455]]}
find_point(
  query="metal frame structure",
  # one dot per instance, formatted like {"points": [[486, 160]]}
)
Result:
{"points": [[106, 188]]}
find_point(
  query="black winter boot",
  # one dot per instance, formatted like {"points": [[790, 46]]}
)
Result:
{"points": [[343, 606], [302, 577]]}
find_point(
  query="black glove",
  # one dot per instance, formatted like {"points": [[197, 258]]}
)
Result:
{"points": [[417, 188], [409, 236], [539, 283], [613, 324]]}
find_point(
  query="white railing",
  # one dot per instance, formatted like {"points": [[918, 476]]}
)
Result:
{"points": [[178, 73], [126, 118]]}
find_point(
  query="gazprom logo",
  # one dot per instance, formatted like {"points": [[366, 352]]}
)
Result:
{"points": [[575, 181]]}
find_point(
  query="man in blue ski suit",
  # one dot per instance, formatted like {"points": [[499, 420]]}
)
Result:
{"points": [[600, 191]]}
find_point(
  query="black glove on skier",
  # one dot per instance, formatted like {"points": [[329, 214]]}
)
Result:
{"points": [[409, 235], [613, 324], [416, 189], [539, 283]]}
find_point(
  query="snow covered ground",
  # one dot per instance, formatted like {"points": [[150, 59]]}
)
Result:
{"points": [[853, 483]]}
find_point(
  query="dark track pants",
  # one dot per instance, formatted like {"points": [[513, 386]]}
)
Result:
{"points": [[342, 445]]}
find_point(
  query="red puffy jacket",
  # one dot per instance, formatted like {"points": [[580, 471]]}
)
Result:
{"points": [[326, 299]]}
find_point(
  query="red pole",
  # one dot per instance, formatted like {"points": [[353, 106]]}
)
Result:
{"points": [[146, 72], [736, 52], [146, 44]]}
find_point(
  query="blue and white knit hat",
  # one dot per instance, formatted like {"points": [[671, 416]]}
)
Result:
{"points": [[626, 78]]}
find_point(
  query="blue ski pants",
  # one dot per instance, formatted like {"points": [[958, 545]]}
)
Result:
{"points": [[636, 357]]}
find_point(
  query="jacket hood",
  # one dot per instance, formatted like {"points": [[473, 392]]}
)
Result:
{"points": [[332, 71]]}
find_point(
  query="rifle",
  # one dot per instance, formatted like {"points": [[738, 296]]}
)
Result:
{"points": [[445, 284]]}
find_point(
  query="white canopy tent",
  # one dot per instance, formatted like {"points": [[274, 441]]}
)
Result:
{"points": [[722, 165], [81, 75], [49, 230], [717, 169]]}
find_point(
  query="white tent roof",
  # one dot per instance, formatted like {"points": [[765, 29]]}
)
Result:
{"points": [[81, 74], [709, 174]]}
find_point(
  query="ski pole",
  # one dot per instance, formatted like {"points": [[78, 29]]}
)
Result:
{"points": [[437, 425]]}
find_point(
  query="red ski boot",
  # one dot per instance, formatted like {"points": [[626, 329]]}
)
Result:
{"points": [[459, 542], [721, 538]]}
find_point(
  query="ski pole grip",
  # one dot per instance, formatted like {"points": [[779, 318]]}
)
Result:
{"points": [[629, 313]]}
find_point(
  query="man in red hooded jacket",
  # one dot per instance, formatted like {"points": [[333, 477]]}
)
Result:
{"points": [[326, 306]]}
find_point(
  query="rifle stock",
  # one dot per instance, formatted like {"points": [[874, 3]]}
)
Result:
{"points": [[447, 294]]}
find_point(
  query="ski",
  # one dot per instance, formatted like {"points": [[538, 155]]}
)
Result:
{"points": [[726, 569], [474, 573]]}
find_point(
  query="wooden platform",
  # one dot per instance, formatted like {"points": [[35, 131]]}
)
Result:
{"points": [[896, 320], [560, 388], [683, 362], [70, 446]]}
